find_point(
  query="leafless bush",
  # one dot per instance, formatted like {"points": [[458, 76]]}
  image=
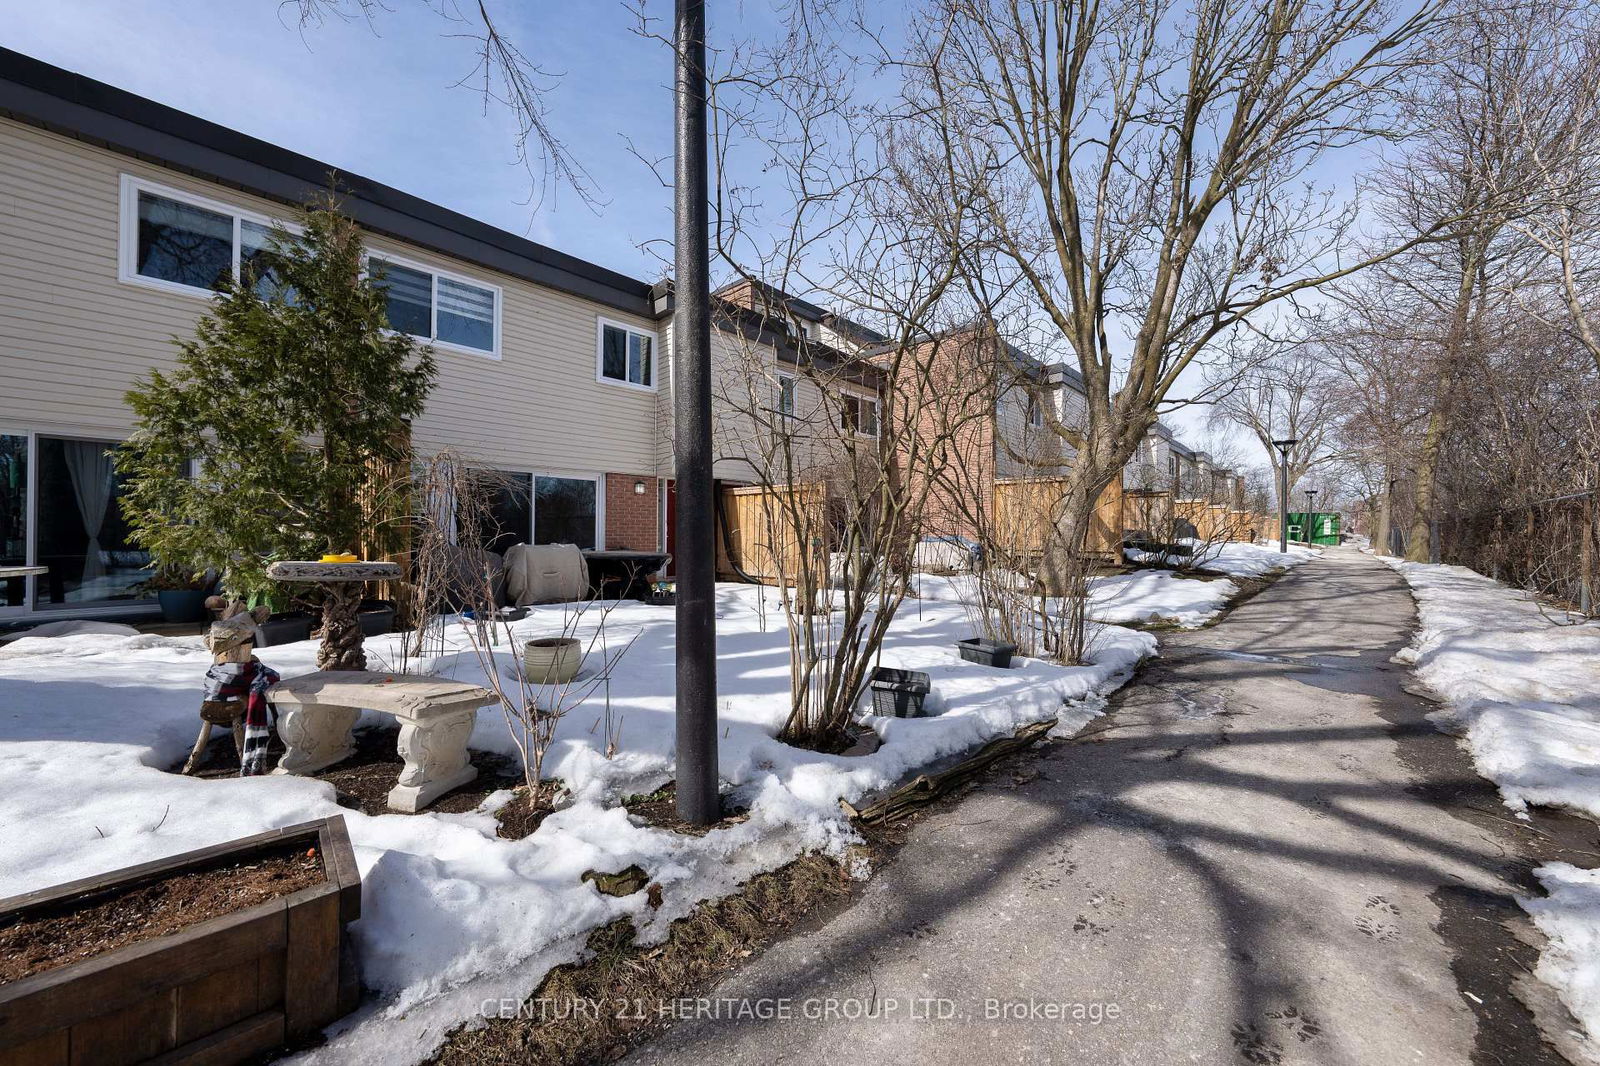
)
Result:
{"points": [[456, 589]]}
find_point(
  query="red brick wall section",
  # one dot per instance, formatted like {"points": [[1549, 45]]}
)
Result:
{"points": [[959, 426], [632, 519]]}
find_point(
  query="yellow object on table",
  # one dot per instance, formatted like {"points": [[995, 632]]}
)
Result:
{"points": [[342, 557]]}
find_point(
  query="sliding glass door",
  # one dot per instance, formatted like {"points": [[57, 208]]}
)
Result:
{"points": [[564, 511], [13, 520], [508, 510], [60, 508]]}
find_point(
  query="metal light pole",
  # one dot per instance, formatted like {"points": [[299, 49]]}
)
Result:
{"points": [[695, 548], [1390, 528], [1311, 509], [1283, 447]]}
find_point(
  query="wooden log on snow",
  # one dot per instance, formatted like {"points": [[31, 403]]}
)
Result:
{"points": [[925, 788]]}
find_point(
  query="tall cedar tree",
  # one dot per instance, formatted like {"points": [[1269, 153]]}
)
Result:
{"points": [[263, 442]]}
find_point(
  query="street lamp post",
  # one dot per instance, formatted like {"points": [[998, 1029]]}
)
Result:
{"points": [[1389, 526], [1311, 509], [1283, 447], [695, 547]]}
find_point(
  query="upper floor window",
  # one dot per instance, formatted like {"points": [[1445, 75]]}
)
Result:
{"points": [[785, 398], [625, 356], [857, 414], [438, 308], [1035, 412], [174, 240]]}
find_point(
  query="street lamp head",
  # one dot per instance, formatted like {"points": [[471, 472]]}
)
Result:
{"points": [[1285, 445]]}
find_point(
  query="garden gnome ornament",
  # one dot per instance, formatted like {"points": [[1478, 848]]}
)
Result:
{"points": [[236, 689]]}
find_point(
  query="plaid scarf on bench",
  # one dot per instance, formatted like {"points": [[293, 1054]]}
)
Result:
{"points": [[248, 681]]}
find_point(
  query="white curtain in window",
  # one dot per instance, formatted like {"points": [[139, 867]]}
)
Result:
{"points": [[89, 464]]}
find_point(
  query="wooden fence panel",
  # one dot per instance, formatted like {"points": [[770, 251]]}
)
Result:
{"points": [[1024, 509], [766, 526]]}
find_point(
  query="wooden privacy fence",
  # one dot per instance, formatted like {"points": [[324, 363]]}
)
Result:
{"points": [[1213, 522], [765, 529], [1025, 508], [387, 503], [1191, 518], [1147, 511]]}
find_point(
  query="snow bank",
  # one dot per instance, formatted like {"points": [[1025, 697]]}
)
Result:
{"points": [[1522, 689], [1570, 917], [1154, 595], [1238, 559], [453, 915], [1524, 692], [1148, 596], [1142, 597]]}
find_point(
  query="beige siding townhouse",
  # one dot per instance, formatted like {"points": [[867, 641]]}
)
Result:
{"points": [[116, 216]]}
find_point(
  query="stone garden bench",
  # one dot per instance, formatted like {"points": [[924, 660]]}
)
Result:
{"points": [[316, 713]]}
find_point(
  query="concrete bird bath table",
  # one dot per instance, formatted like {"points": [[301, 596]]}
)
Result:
{"points": [[341, 626], [319, 710]]}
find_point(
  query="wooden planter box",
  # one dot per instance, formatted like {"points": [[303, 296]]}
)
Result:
{"points": [[221, 991]]}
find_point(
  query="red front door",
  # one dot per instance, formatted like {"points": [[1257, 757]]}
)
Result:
{"points": [[671, 516]]}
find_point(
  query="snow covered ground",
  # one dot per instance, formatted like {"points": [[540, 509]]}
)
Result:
{"points": [[1522, 689], [1524, 693], [452, 914], [1154, 596], [1238, 559]]}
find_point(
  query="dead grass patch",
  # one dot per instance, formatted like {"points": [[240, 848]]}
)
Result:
{"points": [[621, 977]]}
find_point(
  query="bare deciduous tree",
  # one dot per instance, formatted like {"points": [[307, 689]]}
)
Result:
{"points": [[1142, 171], [503, 75], [1278, 389]]}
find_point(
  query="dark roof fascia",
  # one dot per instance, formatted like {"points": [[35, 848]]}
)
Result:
{"points": [[62, 102], [808, 310]]}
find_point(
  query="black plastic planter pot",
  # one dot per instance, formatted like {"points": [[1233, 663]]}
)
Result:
{"points": [[986, 652], [898, 693], [376, 617], [285, 629]]}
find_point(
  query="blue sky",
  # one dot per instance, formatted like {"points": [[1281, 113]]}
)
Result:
{"points": [[382, 100]]}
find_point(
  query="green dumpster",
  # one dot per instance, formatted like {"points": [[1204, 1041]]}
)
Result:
{"points": [[1324, 526]]}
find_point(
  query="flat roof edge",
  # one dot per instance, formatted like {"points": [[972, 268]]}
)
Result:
{"points": [[50, 98]]}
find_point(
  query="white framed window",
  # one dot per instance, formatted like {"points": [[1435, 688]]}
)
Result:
{"points": [[1035, 412], [858, 415], [624, 355], [446, 310], [180, 242], [783, 401]]}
